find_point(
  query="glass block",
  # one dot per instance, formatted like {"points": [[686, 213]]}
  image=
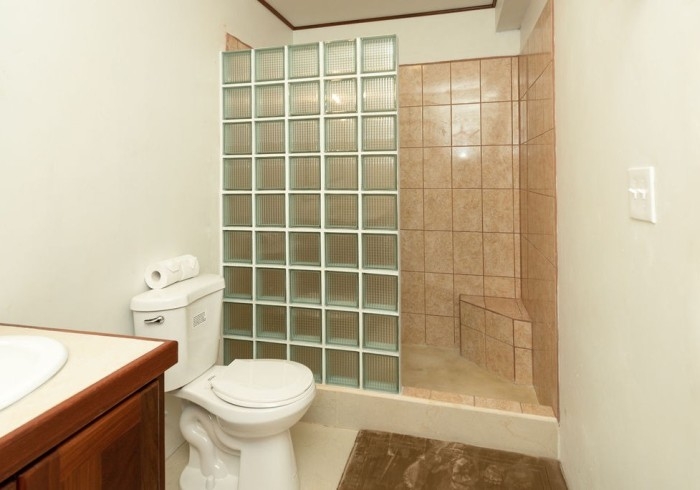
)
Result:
{"points": [[305, 324], [238, 319], [378, 54], [305, 173], [269, 209], [270, 247], [304, 99], [341, 250], [340, 57], [380, 332], [379, 252], [271, 284], [239, 282], [238, 246], [303, 60], [237, 103], [341, 211], [305, 286], [304, 210], [269, 100], [269, 137], [341, 95], [380, 373], [341, 172], [271, 322], [379, 133], [343, 368], [342, 328], [237, 174], [235, 67], [379, 172], [304, 136], [269, 173], [342, 289], [380, 292], [237, 349], [237, 210], [238, 139], [269, 64], [379, 212], [305, 248], [341, 134], [311, 357], [379, 94], [269, 350]]}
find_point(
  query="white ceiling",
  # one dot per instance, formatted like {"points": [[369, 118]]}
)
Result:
{"points": [[307, 13]]}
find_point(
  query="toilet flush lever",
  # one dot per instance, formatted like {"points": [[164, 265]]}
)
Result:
{"points": [[154, 321]]}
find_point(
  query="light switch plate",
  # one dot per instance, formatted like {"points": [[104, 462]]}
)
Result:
{"points": [[641, 194]]}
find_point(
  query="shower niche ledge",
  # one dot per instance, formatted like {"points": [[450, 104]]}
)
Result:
{"points": [[496, 334]]}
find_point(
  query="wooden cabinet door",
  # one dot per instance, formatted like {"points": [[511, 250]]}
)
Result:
{"points": [[119, 451]]}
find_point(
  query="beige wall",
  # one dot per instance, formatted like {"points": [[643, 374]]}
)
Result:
{"points": [[627, 81], [459, 217], [109, 148], [538, 246]]}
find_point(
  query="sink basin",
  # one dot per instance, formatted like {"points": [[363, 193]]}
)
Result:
{"points": [[27, 362]]}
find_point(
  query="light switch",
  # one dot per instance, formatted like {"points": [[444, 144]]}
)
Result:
{"points": [[641, 194]]}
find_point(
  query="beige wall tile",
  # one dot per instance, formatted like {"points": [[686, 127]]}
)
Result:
{"points": [[497, 167], [499, 327], [411, 209], [498, 210], [438, 251], [439, 331], [469, 284], [436, 125], [466, 83], [411, 126], [437, 209], [503, 287], [522, 334], [496, 79], [523, 366], [436, 84], [468, 253], [467, 212], [466, 167], [412, 250], [410, 85], [412, 292], [438, 298], [499, 255], [412, 328], [472, 316], [437, 167], [473, 346], [411, 168], [500, 358], [466, 125], [496, 123]]}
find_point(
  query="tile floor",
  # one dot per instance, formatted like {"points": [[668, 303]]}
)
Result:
{"points": [[321, 454]]}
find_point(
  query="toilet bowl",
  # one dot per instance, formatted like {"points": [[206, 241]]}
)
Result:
{"points": [[235, 418]]}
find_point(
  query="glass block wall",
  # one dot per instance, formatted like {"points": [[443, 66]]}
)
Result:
{"points": [[310, 208]]}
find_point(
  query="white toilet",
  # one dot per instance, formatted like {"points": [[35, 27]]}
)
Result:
{"points": [[236, 418]]}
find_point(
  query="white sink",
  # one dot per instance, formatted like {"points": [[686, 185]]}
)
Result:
{"points": [[27, 362]]}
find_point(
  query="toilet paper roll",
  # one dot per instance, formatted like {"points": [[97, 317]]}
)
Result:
{"points": [[170, 271]]}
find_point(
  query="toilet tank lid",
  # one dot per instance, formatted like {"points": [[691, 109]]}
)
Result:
{"points": [[177, 295]]}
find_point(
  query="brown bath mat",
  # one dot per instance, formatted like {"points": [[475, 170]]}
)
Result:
{"points": [[385, 461]]}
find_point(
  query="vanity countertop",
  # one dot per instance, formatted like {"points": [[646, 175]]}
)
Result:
{"points": [[101, 371]]}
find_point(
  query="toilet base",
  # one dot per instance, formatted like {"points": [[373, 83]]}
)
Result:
{"points": [[234, 463]]}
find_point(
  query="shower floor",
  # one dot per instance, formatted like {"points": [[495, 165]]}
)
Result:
{"points": [[443, 369]]}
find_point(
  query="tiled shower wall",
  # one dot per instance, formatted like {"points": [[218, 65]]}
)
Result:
{"points": [[538, 205], [459, 191]]}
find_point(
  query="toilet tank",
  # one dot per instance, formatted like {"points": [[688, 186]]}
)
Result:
{"points": [[188, 312]]}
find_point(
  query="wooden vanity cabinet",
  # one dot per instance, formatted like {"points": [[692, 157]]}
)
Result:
{"points": [[120, 450]]}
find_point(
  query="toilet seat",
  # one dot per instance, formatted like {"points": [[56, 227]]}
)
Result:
{"points": [[262, 383]]}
